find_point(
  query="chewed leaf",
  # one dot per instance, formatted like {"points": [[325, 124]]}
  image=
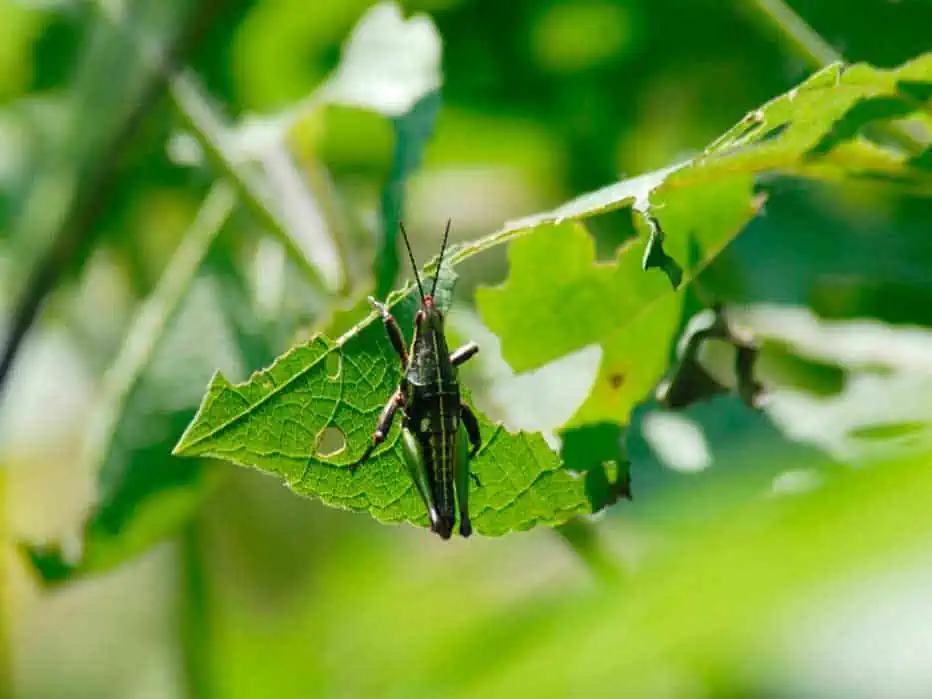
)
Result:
{"points": [[283, 419], [655, 257]]}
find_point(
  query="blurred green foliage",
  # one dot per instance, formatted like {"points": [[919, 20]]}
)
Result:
{"points": [[742, 564]]}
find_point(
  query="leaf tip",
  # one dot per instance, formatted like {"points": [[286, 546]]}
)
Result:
{"points": [[191, 437]]}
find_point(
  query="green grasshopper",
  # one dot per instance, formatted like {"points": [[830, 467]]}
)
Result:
{"points": [[437, 422]]}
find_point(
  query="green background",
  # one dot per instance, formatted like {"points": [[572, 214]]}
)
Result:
{"points": [[791, 563]]}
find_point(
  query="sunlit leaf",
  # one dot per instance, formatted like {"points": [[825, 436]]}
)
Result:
{"points": [[388, 64], [558, 299], [311, 414]]}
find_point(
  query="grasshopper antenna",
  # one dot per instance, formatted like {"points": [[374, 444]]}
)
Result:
{"points": [[417, 278], [443, 247]]}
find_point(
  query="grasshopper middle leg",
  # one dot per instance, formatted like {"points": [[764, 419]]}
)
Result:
{"points": [[385, 424], [464, 353]]}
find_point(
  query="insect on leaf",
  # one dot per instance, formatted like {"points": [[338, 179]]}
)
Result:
{"points": [[310, 415]]}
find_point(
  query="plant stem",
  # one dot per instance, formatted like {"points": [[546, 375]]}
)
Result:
{"points": [[94, 185], [209, 131], [583, 538], [780, 19], [194, 615], [149, 323]]}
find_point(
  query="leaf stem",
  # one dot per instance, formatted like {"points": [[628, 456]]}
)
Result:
{"points": [[94, 186], [149, 323], [583, 538], [209, 131], [793, 31]]}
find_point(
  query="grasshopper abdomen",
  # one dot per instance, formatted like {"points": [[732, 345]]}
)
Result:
{"points": [[434, 418]]}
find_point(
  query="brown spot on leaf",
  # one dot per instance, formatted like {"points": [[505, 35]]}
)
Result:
{"points": [[615, 380]]}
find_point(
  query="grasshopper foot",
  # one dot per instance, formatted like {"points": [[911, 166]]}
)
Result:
{"points": [[442, 526], [465, 526]]}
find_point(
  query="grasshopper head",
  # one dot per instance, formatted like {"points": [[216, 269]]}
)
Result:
{"points": [[429, 316]]}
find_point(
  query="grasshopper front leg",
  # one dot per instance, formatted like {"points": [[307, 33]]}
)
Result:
{"points": [[392, 330], [385, 424]]}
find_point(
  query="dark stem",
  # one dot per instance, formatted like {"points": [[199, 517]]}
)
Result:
{"points": [[194, 615], [583, 538], [780, 19], [93, 188]]}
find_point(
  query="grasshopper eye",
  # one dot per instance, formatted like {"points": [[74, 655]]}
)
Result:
{"points": [[419, 317]]}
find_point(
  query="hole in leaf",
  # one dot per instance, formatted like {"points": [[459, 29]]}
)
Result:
{"points": [[916, 90], [333, 363], [610, 231], [655, 256], [751, 123], [331, 441], [773, 133]]}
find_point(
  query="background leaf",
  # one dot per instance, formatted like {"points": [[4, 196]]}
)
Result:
{"points": [[143, 494], [412, 131], [747, 564]]}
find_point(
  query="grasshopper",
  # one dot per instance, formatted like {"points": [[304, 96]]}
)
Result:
{"points": [[436, 422]]}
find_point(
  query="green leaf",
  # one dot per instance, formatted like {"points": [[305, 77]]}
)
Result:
{"points": [[816, 129], [412, 131], [284, 419], [145, 399], [778, 136], [557, 299], [388, 64], [721, 587]]}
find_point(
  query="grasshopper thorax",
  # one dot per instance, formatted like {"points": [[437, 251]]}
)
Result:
{"points": [[429, 316]]}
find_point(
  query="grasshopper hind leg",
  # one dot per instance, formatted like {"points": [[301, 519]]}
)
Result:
{"points": [[415, 465], [468, 434]]}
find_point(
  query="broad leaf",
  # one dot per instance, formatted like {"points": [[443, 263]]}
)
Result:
{"points": [[557, 299], [784, 135], [148, 394], [284, 420], [145, 495]]}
